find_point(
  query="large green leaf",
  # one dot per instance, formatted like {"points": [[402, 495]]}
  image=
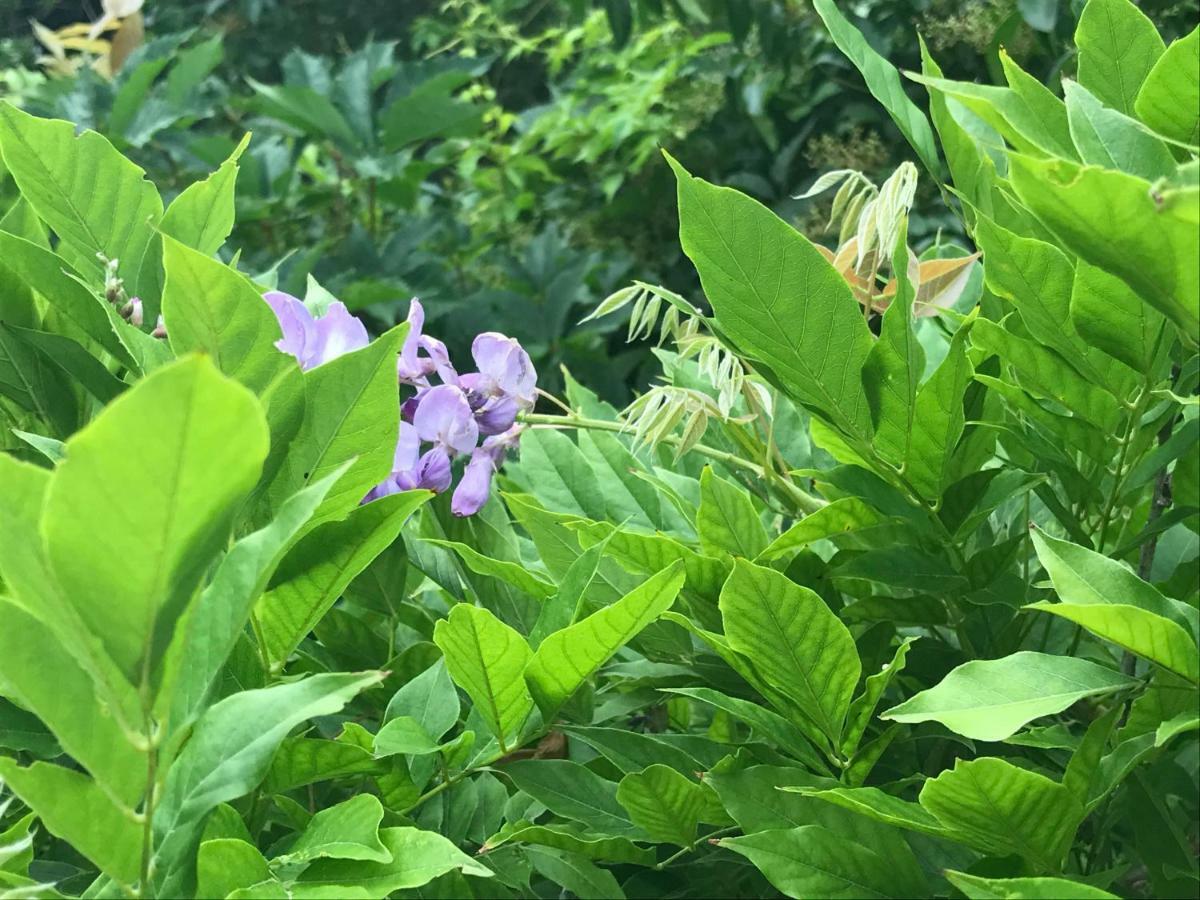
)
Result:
{"points": [[795, 641], [96, 200], [1169, 98], [32, 382], [727, 520], [417, 857], [228, 755], [1083, 576], [1001, 809], [353, 412], [321, 566], [347, 830], [1118, 46], [1111, 220], [812, 861], [572, 839], [207, 636], [226, 864], [202, 216], [884, 83], [567, 658], [66, 703], [667, 805], [487, 659], [777, 299], [1158, 639], [145, 500], [842, 516], [1110, 316], [1108, 138], [74, 808], [991, 699], [976, 887], [893, 370], [575, 792], [938, 420], [210, 308]]}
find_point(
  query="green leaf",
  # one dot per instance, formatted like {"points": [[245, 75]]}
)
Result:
{"points": [[778, 300], [1107, 138], [225, 864], [727, 520], [207, 636], [29, 380], [892, 372], [938, 420], [74, 360], [646, 554], [1118, 46], [305, 108], [429, 699], [302, 761], [632, 751], [627, 497], [406, 736], [576, 874], [796, 642], [573, 791], [1111, 220], [844, 516], [812, 861], [353, 412], [571, 839], [128, 559], [863, 707], [884, 83], [991, 699], [1169, 99], [228, 755], [347, 830], [1158, 639], [880, 806], [487, 659], [512, 573], [202, 216], [1038, 278], [66, 703], [1052, 130], [96, 200], [664, 803], [1001, 809], [1083, 576], [976, 887], [210, 308], [568, 658], [560, 476], [319, 568], [417, 857], [52, 277], [74, 808]]}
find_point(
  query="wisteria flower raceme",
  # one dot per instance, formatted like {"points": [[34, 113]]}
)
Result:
{"points": [[315, 341], [446, 419]]}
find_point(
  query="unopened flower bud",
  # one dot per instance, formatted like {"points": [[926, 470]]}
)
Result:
{"points": [[160, 329], [133, 313]]}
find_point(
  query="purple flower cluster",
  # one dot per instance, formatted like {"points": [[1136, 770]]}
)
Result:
{"points": [[447, 419]]}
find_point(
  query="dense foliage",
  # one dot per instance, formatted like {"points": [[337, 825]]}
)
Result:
{"points": [[886, 586]]}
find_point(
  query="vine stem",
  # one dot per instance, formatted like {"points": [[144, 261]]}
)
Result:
{"points": [[803, 500]]}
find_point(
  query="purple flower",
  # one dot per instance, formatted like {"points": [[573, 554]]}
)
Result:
{"points": [[414, 369], [412, 469], [504, 370], [445, 419], [312, 341], [476, 484]]}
